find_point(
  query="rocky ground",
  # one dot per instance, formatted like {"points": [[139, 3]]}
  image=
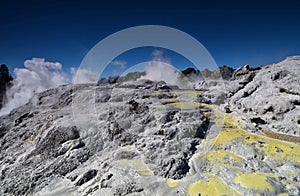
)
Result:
{"points": [[235, 137]]}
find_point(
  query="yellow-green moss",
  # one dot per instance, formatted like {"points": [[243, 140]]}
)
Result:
{"points": [[211, 187]]}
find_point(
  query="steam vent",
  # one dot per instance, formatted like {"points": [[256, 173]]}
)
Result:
{"points": [[134, 137]]}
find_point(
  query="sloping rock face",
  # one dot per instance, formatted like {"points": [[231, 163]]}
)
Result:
{"points": [[269, 96], [148, 138], [42, 140]]}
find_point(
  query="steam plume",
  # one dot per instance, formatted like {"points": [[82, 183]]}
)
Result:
{"points": [[37, 76]]}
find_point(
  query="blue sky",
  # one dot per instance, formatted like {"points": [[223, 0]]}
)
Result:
{"points": [[234, 32]]}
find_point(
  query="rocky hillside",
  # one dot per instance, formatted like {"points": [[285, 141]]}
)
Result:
{"points": [[238, 137], [269, 96]]}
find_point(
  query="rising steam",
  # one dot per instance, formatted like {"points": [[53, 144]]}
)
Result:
{"points": [[161, 69], [37, 76]]}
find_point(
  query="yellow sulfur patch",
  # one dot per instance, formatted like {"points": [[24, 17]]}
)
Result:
{"points": [[170, 100], [280, 136], [221, 156], [172, 183], [129, 148], [140, 167], [256, 181], [233, 133], [211, 187], [272, 148], [185, 105], [180, 92]]}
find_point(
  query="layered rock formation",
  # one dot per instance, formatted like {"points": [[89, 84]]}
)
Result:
{"points": [[148, 138], [269, 96]]}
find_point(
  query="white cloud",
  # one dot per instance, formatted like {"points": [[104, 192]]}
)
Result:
{"points": [[37, 64], [158, 55], [37, 76], [119, 67], [73, 70], [121, 64]]}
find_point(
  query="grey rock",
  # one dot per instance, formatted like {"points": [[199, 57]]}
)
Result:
{"points": [[86, 177], [272, 95], [107, 139]]}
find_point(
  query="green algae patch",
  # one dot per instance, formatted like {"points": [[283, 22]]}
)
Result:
{"points": [[172, 183], [257, 181], [211, 187]]}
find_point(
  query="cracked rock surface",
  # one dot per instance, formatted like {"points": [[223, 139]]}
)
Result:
{"points": [[43, 141], [269, 96], [235, 137]]}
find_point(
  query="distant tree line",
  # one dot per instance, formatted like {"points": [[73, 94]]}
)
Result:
{"points": [[5, 82]]}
